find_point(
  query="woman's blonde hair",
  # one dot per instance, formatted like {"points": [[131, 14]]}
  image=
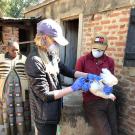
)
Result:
{"points": [[42, 50], [39, 41]]}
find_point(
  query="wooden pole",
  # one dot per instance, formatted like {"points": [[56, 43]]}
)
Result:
{"points": [[26, 42]]}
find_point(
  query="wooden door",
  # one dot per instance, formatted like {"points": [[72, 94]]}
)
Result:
{"points": [[68, 54], [129, 59]]}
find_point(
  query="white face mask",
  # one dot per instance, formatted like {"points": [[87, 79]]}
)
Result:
{"points": [[97, 53], [53, 48]]}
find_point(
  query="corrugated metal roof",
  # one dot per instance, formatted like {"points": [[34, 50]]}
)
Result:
{"points": [[19, 22], [10, 19]]}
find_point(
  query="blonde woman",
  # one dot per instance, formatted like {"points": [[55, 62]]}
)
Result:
{"points": [[43, 69]]}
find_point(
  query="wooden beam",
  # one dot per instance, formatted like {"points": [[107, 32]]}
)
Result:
{"points": [[20, 43], [22, 26], [26, 42]]}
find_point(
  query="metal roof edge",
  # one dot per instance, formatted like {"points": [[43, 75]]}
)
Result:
{"points": [[19, 19]]}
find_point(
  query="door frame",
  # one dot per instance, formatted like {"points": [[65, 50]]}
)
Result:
{"points": [[71, 16]]}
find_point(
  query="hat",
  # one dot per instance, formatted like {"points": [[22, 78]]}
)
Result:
{"points": [[100, 42], [51, 28]]}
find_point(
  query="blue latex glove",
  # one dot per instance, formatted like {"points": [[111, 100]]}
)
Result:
{"points": [[92, 77], [77, 85], [86, 86], [107, 90]]}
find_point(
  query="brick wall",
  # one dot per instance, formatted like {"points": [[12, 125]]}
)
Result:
{"points": [[127, 103], [112, 23], [9, 33], [115, 25]]}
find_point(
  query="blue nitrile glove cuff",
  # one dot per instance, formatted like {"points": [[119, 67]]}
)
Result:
{"points": [[92, 77], [107, 90], [77, 85], [86, 86]]}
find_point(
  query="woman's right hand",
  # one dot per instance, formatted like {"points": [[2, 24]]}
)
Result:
{"points": [[77, 85]]}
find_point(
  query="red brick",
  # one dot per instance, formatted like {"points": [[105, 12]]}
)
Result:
{"points": [[113, 27], [120, 43], [131, 102], [112, 38], [94, 23], [5, 30], [125, 12], [113, 32], [111, 43], [86, 19], [88, 44], [119, 55], [114, 21], [97, 18], [122, 32], [122, 26], [132, 79], [86, 25], [121, 38], [99, 28], [130, 129], [114, 14], [105, 33], [87, 34], [110, 54], [118, 66], [85, 30], [132, 95], [124, 19], [6, 34], [120, 49], [111, 49], [105, 22]]}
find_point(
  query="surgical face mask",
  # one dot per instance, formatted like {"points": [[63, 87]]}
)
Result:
{"points": [[54, 48], [54, 52], [97, 53]]}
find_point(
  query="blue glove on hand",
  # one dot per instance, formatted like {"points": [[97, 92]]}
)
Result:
{"points": [[107, 90], [77, 85], [92, 77], [86, 86]]}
